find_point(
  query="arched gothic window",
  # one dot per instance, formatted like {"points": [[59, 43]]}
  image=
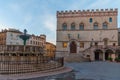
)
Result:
{"points": [[90, 20], [105, 25], [110, 19], [95, 25], [64, 26], [81, 27], [73, 26]]}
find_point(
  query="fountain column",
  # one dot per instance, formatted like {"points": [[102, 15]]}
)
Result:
{"points": [[24, 37]]}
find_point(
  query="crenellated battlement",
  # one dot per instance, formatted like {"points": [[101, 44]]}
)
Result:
{"points": [[92, 12]]}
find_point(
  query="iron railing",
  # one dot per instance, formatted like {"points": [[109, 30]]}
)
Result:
{"points": [[39, 64]]}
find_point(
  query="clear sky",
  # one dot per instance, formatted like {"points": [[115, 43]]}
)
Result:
{"points": [[39, 16]]}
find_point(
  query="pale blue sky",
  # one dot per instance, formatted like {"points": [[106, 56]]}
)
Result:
{"points": [[39, 16]]}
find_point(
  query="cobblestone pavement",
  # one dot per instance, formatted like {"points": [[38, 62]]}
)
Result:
{"points": [[96, 70]]}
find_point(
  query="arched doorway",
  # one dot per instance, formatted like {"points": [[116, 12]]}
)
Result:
{"points": [[118, 53], [108, 54], [73, 47], [98, 55]]}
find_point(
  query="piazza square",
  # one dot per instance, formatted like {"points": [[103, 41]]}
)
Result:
{"points": [[59, 40]]}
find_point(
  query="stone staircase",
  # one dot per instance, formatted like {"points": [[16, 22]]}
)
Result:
{"points": [[84, 56], [81, 57], [76, 58]]}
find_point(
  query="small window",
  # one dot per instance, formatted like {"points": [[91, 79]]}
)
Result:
{"points": [[81, 45], [11, 34], [10, 42], [68, 35], [96, 43], [110, 19], [64, 44], [33, 42], [105, 26], [114, 44], [21, 54], [73, 26], [36, 42], [13, 54], [88, 56], [81, 26], [95, 26], [17, 43], [90, 20], [64, 26]]}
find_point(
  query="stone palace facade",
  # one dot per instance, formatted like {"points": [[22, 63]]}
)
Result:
{"points": [[89, 34]]}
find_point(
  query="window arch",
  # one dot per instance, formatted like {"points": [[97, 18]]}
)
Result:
{"points": [[105, 25], [95, 25], [110, 19], [73, 26], [81, 26], [90, 20], [64, 26]]}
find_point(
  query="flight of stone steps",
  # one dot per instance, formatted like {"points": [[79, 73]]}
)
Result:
{"points": [[75, 58], [79, 57]]}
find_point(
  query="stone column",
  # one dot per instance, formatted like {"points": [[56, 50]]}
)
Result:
{"points": [[92, 56], [31, 49], [5, 47], [103, 55], [68, 48], [78, 47]]}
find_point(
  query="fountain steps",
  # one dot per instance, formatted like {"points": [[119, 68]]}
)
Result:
{"points": [[25, 68]]}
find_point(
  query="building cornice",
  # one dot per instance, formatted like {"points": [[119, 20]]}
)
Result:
{"points": [[87, 13]]}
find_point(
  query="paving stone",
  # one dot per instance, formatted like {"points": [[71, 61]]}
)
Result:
{"points": [[96, 70]]}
